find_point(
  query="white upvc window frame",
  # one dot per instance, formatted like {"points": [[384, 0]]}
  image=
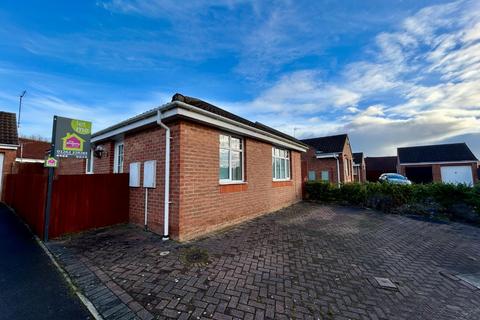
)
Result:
{"points": [[89, 163], [117, 167], [230, 149], [288, 167]]}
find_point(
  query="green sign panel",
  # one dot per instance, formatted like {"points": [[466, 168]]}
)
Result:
{"points": [[51, 162], [72, 138]]}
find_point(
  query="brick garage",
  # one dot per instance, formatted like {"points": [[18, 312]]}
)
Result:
{"points": [[200, 201], [449, 163]]}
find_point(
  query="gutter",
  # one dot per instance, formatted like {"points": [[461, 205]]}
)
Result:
{"points": [[182, 109], [166, 203]]}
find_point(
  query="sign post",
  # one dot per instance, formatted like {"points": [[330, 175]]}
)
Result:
{"points": [[70, 139]]}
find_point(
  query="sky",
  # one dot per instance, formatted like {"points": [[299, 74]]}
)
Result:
{"points": [[389, 73]]}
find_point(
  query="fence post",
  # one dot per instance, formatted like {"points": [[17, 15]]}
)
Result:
{"points": [[51, 172]]}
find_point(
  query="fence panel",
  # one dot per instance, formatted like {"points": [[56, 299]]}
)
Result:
{"points": [[82, 202], [79, 202], [26, 193]]}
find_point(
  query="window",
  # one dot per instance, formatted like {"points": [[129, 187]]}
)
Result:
{"points": [[231, 159], [280, 164], [325, 176], [118, 158], [312, 176]]}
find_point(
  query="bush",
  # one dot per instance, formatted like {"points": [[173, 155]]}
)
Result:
{"points": [[457, 201]]}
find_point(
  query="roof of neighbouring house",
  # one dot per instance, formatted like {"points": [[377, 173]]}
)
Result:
{"points": [[8, 128], [357, 157], [383, 164], [195, 102], [436, 153], [32, 149], [330, 144]]}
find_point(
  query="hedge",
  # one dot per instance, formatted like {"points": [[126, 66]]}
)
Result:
{"points": [[453, 201]]}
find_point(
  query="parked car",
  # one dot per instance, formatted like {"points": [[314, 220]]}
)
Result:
{"points": [[394, 178]]}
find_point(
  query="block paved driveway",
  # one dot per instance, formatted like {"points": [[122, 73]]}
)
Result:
{"points": [[304, 262]]}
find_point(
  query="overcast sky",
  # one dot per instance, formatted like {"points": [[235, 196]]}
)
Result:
{"points": [[388, 73]]}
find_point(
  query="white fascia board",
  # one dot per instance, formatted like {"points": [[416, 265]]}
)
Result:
{"points": [[198, 114], [432, 163], [327, 155], [28, 160], [126, 128], [8, 146], [192, 112]]}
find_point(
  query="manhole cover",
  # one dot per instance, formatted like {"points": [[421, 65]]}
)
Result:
{"points": [[472, 279], [385, 283]]}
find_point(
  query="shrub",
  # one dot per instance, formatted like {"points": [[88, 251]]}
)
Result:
{"points": [[426, 199]]}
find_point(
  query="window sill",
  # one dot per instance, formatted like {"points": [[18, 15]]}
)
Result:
{"points": [[282, 183], [231, 182]]}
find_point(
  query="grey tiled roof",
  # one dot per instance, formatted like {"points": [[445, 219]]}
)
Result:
{"points": [[436, 153], [328, 144], [8, 128]]}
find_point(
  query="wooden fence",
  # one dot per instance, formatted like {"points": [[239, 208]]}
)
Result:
{"points": [[79, 202]]}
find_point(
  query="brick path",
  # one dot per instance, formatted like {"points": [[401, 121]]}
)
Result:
{"points": [[304, 262]]}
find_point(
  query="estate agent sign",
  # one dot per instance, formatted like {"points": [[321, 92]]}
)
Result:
{"points": [[72, 138]]}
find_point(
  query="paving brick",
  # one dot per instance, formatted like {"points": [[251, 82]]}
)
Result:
{"points": [[304, 262]]}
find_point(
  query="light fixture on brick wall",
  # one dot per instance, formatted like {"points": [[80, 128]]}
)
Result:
{"points": [[98, 151]]}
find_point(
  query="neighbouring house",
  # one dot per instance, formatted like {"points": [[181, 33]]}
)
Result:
{"points": [[8, 145], [449, 163], [31, 156], [223, 169], [328, 159], [359, 170], [375, 166]]}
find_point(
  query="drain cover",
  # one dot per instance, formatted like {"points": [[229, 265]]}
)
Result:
{"points": [[472, 279], [386, 283]]}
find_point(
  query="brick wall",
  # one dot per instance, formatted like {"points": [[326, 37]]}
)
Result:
{"points": [[68, 166], [8, 164], [105, 163], [205, 205], [319, 165], [311, 163], [199, 204], [150, 145]]}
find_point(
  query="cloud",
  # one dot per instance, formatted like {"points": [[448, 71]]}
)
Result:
{"points": [[417, 84]]}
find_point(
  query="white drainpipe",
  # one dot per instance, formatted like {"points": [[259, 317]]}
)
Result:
{"points": [[166, 204], [338, 169]]}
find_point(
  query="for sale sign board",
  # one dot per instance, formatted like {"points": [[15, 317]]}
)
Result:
{"points": [[72, 138]]}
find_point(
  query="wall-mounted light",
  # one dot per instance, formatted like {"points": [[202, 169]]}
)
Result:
{"points": [[98, 152]]}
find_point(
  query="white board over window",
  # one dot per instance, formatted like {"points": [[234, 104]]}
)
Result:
{"points": [[134, 171], [149, 174]]}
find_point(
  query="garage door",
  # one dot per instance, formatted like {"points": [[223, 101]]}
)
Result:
{"points": [[457, 174]]}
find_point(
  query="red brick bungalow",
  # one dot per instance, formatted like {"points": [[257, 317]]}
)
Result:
{"points": [[8, 145], [329, 159], [223, 169]]}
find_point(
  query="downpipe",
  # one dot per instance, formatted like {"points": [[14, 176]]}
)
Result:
{"points": [[166, 204]]}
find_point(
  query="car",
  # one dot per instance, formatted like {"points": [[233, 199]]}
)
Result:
{"points": [[394, 178]]}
